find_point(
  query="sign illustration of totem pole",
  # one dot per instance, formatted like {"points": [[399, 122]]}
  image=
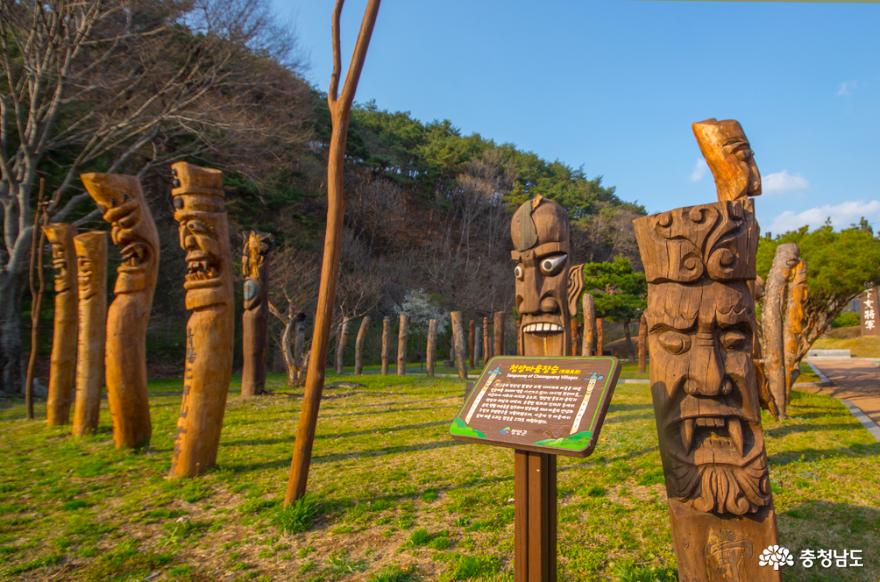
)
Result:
{"points": [[62, 371], [700, 266], [198, 200], [121, 199], [91, 275], [547, 290], [255, 319]]}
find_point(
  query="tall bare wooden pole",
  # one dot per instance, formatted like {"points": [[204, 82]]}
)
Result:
{"points": [[340, 107], [476, 358], [386, 339], [458, 343], [37, 287], [487, 345], [589, 309], [600, 336], [498, 324], [341, 340], [432, 347], [402, 335], [359, 345]]}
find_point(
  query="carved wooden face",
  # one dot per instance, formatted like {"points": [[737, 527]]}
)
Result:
{"points": [[121, 200], [546, 294], [706, 402], [729, 155], [253, 257], [203, 234], [91, 261], [60, 237]]}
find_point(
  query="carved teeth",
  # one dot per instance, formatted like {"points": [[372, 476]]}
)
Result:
{"points": [[542, 328], [687, 434], [735, 429]]}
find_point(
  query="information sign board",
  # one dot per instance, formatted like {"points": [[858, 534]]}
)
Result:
{"points": [[544, 404]]}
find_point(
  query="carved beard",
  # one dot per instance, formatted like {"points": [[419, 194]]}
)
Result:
{"points": [[725, 489]]}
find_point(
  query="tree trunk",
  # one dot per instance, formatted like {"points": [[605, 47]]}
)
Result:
{"points": [[588, 345], [402, 334], [772, 314], [341, 340], [386, 341], [643, 343], [432, 347], [487, 344], [600, 337], [498, 324], [458, 343], [359, 346], [300, 358], [471, 339], [11, 299]]}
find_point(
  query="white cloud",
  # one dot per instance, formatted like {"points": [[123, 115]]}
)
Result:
{"points": [[841, 215], [700, 169], [783, 182], [846, 88]]}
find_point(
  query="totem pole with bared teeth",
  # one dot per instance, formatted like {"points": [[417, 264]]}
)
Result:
{"points": [[62, 371], [122, 201], [700, 266], [199, 209]]}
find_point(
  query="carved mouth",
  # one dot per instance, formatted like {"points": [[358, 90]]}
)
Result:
{"points": [[134, 256], [201, 270], [715, 436], [542, 328]]}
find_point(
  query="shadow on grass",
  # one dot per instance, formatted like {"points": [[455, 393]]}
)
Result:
{"points": [[784, 429], [859, 450]]}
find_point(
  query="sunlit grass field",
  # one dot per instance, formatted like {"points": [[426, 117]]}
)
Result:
{"points": [[392, 497]]}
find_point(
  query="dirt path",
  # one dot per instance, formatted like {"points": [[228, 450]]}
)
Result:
{"points": [[856, 380]]}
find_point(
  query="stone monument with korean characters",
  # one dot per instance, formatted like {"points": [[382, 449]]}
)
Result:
{"points": [[700, 265], [199, 209], [62, 370], [255, 318], [121, 199]]}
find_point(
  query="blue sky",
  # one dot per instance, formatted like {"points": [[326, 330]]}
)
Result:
{"points": [[613, 86]]}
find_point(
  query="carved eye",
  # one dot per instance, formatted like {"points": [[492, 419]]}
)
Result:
{"points": [[552, 265], [734, 339], [518, 272], [745, 154], [197, 227], [675, 342]]}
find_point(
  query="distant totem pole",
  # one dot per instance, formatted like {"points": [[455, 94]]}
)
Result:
{"points": [[255, 319], [773, 315], [91, 274], [199, 209], [700, 266], [62, 371], [121, 199], [547, 291]]}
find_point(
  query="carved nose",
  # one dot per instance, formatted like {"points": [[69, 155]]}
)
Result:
{"points": [[706, 376], [549, 305]]}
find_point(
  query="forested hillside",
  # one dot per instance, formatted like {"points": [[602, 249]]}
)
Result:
{"points": [[428, 208]]}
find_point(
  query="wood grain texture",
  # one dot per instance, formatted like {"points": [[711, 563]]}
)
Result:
{"points": [[386, 342], [121, 199], [487, 343], [359, 345], [459, 344], [588, 344], [772, 324], [402, 337], [198, 200], [62, 367], [91, 275], [431, 348], [255, 270], [341, 341]]}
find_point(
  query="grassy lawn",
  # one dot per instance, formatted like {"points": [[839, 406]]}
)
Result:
{"points": [[392, 497], [861, 347]]}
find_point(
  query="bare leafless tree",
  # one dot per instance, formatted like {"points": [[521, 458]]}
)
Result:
{"points": [[121, 85]]}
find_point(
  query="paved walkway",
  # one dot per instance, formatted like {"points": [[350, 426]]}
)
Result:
{"points": [[857, 382]]}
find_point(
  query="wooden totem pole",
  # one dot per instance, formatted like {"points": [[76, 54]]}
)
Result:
{"points": [[255, 316], [91, 275], [547, 290], [199, 209], [700, 266], [773, 314], [62, 371], [121, 199], [793, 324]]}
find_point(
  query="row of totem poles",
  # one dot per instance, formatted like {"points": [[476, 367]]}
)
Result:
{"points": [[94, 345], [713, 366]]}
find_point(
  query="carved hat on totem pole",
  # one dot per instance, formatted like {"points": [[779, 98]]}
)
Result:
{"points": [[712, 241], [539, 220], [195, 181]]}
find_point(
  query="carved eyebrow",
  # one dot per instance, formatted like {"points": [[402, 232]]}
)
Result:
{"points": [[669, 322], [734, 315]]}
